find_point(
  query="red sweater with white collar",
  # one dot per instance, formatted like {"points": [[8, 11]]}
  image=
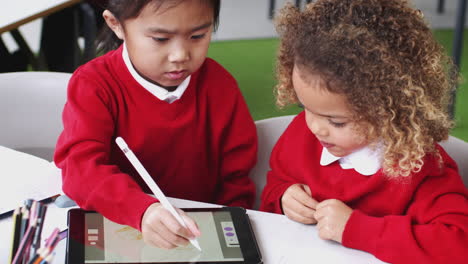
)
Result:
{"points": [[422, 219], [201, 147]]}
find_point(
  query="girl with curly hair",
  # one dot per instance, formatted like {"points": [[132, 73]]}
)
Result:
{"points": [[362, 160]]}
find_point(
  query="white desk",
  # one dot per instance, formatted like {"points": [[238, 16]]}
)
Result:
{"points": [[15, 13], [281, 241]]}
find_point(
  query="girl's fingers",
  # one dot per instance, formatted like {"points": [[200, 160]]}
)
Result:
{"points": [[299, 212], [191, 224], [302, 210], [322, 204], [298, 207], [171, 232], [319, 225], [300, 218], [328, 202], [298, 204], [307, 189], [318, 215], [171, 223], [300, 194]]}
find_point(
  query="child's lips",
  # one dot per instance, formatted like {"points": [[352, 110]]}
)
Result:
{"points": [[326, 145], [176, 75]]}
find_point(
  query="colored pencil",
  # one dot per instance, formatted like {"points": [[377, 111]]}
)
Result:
{"points": [[33, 217], [24, 221], [17, 215], [36, 243], [26, 235], [25, 243], [39, 253], [48, 259], [52, 236]]}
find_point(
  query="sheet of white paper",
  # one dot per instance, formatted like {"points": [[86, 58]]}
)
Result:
{"points": [[301, 241], [25, 176]]}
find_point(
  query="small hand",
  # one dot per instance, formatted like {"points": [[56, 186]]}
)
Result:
{"points": [[332, 216], [298, 204], [160, 228]]}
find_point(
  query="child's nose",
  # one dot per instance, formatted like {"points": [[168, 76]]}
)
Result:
{"points": [[180, 53]]}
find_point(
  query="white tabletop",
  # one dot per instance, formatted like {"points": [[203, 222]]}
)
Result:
{"points": [[15, 13], [281, 240]]}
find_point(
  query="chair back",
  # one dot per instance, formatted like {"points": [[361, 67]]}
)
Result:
{"points": [[458, 150], [268, 130], [31, 105]]}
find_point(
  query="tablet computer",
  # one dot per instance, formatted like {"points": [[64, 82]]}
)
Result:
{"points": [[227, 237]]}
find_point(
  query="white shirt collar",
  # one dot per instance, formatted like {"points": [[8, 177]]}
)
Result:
{"points": [[161, 93], [366, 161]]}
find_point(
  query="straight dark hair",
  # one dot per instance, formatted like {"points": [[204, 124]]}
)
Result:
{"points": [[126, 9]]}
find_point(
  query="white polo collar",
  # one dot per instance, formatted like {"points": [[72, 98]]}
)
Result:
{"points": [[366, 161], [161, 93]]}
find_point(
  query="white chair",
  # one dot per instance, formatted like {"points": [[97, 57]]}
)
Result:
{"points": [[31, 105], [458, 150], [269, 130]]}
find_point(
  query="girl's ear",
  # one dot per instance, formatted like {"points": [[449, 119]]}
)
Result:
{"points": [[113, 23]]}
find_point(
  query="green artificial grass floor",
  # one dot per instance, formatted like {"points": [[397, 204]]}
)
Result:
{"points": [[252, 63]]}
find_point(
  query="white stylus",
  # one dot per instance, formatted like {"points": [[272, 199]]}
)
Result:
{"points": [[152, 184]]}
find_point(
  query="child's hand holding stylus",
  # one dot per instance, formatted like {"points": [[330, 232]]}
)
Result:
{"points": [[160, 228], [171, 220], [298, 204]]}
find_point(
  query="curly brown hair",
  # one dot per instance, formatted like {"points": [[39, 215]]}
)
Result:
{"points": [[382, 56]]}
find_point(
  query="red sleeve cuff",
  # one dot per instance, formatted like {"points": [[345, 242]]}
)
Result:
{"points": [[362, 232], [137, 205], [279, 191]]}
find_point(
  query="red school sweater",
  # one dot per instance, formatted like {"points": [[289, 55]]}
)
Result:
{"points": [[422, 219], [201, 147]]}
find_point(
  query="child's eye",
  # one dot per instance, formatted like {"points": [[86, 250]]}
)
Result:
{"points": [[198, 36], [337, 124], [160, 39]]}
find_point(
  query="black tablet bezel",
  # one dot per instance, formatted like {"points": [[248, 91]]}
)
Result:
{"points": [[246, 236]]}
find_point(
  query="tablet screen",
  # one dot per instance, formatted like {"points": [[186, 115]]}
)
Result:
{"points": [[108, 242]]}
